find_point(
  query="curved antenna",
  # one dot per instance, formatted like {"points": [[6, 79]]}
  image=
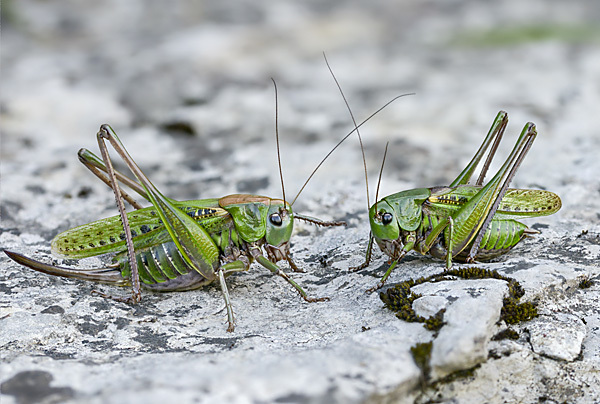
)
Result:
{"points": [[380, 173], [318, 222], [277, 140], [362, 149], [346, 137]]}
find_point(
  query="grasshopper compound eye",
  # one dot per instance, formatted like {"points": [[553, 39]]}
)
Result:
{"points": [[386, 218], [276, 219]]}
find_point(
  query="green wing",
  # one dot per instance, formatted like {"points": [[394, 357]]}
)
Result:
{"points": [[528, 203], [515, 203], [107, 236]]}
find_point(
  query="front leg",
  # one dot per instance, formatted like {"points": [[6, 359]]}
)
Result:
{"points": [[385, 276], [262, 260], [277, 271], [409, 244], [293, 265]]}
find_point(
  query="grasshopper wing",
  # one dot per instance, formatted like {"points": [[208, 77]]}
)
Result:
{"points": [[106, 235], [528, 203]]}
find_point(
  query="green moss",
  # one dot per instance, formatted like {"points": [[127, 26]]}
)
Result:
{"points": [[434, 323], [585, 282], [514, 312], [421, 354], [515, 289], [508, 333], [476, 273], [459, 374], [400, 298]]}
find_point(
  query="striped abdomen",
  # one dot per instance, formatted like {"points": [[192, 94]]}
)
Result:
{"points": [[161, 267], [500, 237]]}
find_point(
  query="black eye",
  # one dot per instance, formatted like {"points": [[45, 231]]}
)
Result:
{"points": [[275, 219], [386, 218]]}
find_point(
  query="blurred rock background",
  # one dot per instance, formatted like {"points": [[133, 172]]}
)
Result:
{"points": [[186, 85]]}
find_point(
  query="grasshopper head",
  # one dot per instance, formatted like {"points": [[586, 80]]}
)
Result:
{"points": [[280, 223], [384, 224], [256, 217], [402, 211]]}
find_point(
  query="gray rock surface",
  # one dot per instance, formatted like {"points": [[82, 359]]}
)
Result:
{"points": [[470, 317], [560, 337], [188, 89]]}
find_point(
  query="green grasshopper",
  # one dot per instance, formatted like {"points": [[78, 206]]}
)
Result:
{"points": [[461, 222], [178, 245]]}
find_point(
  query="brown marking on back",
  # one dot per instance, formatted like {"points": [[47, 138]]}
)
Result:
{"points": [[237, 199]]}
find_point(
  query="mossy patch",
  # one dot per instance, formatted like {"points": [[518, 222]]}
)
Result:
{"points": [[400, 298], [514, 312], [435, 322], [585, 282], [459, 374], [421, 354], [507, 333]]}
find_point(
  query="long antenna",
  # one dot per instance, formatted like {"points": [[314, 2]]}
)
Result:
{"points": [[380, 173], [277, 139], [346, 137], [362, 149]]}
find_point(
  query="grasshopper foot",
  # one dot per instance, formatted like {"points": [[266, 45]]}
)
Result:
{"points": [[374, 288], [135, 298], [359, 267], [293, 265], [471, 260]]}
